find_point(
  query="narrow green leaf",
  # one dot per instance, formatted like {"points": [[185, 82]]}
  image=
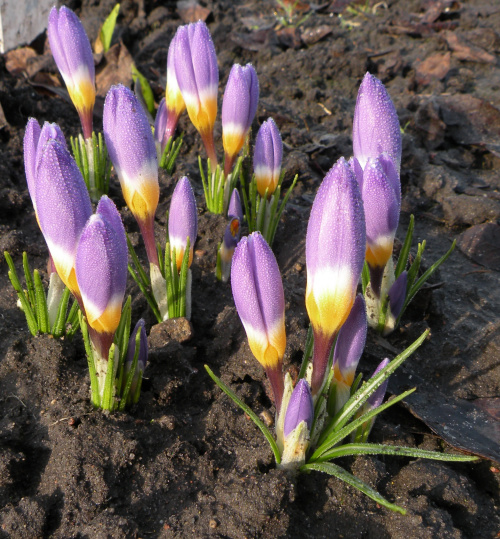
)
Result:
{"points": [[124, 397], [248, 411], [405, 250], [344, 475], [73, 320], [145, 89], [41, 304], [361, 396], [94, 384], [307, 352], [108, 28], [183, 280], [365, 277], [30, 287], [59, 327]]}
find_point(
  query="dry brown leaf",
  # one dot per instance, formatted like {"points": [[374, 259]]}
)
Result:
{"points": [[16, 61], [463, 50], [117, 69], [191, 11], [435, 66]]}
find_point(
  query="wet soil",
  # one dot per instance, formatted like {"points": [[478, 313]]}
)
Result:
{"points": [[185, 462]]}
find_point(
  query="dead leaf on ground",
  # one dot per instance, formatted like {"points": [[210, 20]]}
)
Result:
{"points": [[16, 61], [434, 67], [481, 243], [436, 8], [463, 50], [191, 11], [117, 69], [289, 37], [254, 41], [313, 35]]}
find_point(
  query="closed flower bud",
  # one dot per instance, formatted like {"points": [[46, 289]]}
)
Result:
{"points": [[63, 207], [376, 126], [377, 397], [300, 407], [397, 294], [101, 270], [73, 55], [267, 157], [182, 220], [238, 110], [381, 201], [132, 151], [260, 302], [234, 209], [197, 75], [335, 250]]}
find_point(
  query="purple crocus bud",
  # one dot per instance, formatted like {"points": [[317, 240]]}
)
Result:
{"points": [[173, 97], [397, 294], [229, 243], [267, 157], [335, 252], [377, 397], [350, 343], [197, 75], [160, 126], [381, 202], [234, 209], [238, 110], [376, 126], [260, 302], [63, 207], [101, 271], [73, 55], [141, 360], [300, 407], [182, 221], [132, 151]]}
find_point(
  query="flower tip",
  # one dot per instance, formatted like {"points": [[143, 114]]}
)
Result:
{"points": [[300, 407]]}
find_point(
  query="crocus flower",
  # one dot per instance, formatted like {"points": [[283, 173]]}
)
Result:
{"points": [[132, 151], [101, 271], [182, 221], [34, 143], [335, 252], [160, 126], [142, 359], [197, 75], [238, 110], [260, 302], [300, 407], [348, 349], [381, 201], [267, 157], [376, 126], [63, 207], [229, 243], [234, 209], [73, 55]]}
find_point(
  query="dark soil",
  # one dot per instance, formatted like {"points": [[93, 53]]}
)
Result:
{"points": [[185, 462]]}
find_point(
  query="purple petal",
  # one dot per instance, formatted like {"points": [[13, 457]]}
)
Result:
{"points": [[182, 219], [397, 294], [235, 209], [63, 206], [376, 126], [300, 407], [267, 157], [143, 350], [381, 212], [30, 144], [351, 341], [259, 299], [376, 398], [132, 151], [161, 122], [101, 268]]}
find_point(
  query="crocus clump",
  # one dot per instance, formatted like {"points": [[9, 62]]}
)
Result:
{"points": [[73, 55]]}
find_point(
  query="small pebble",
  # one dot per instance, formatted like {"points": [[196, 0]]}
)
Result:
{"points": [[213, 524], [267, 418]]}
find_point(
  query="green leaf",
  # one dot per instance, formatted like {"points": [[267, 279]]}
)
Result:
{"points": [[59, 328], [365, 277], [124, 397], [397, 450], [361, 396], [308, 349], [145, 89], [108, 28], [94, 384], [30, 287], [249, 412], [41, 304], [405, 250], [344, 475]]}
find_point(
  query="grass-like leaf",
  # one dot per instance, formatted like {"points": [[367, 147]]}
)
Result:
{"points": [[405, 250], [344, 475]]}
